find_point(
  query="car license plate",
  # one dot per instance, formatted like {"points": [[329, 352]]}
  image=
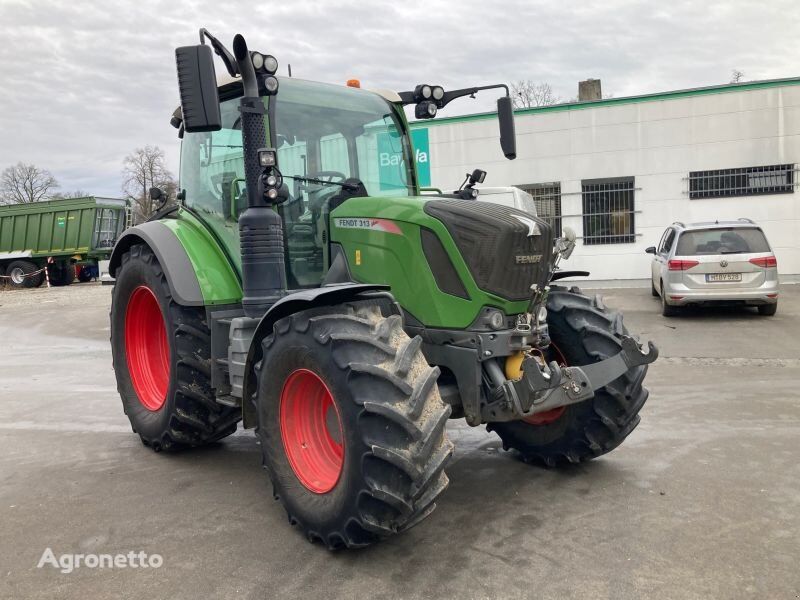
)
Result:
{"points": [[713, 277]]}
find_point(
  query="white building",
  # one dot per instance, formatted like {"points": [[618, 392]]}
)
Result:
{"points": [[619, 171]]}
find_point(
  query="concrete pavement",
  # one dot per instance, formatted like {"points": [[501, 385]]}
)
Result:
{"points": [[702, 501]]}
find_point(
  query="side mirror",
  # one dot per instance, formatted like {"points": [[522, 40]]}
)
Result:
{"points": [[650, 249], [508, 137], [197, 82], [478, 176]]}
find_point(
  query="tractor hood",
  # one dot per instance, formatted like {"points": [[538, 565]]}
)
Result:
{"points": [[445, 259]]}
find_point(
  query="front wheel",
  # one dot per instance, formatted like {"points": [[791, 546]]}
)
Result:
{"points": [[583, 331], [351, 424]]}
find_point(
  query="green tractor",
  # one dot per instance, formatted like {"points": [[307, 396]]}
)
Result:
{"points": [[305, 286]]}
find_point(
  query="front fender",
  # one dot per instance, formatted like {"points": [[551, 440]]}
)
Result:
{"points": [[295, 302]]}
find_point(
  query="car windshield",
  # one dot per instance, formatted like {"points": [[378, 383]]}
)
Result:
{"points": [[722, 240]]}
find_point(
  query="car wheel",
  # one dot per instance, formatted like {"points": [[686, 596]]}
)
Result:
{"points": [[767, 310], [667, 309]]}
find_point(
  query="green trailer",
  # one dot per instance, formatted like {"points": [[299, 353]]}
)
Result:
{"points": [[59, 239]]}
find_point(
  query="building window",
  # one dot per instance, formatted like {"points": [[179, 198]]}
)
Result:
{"points": [[747, 181], [608, 211], [547, 198]]}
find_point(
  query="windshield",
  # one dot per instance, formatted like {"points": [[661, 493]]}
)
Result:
{"points": [[722, 240], [336, 133]]}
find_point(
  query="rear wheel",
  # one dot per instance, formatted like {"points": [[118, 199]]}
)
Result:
{"points": [[351, 425], [667, 310], [161, 353], [583, 331], [20, 275], [768, 310]]}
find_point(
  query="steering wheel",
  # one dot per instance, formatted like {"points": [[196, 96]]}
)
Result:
{"points": [[317, 192], [328, 176]]}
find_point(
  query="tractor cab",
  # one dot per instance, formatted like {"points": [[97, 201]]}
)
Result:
{"points": [[332, 143]]}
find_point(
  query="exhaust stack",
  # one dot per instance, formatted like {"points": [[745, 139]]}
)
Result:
{"points": [[260, 227]]}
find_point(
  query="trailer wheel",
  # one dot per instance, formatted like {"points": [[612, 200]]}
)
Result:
{"points": [[61, 273], [351, 424], [162, 360], [583, 331], [19, 271]]}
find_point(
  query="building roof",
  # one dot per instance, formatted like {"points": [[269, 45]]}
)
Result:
{"points": [[699, 91]]}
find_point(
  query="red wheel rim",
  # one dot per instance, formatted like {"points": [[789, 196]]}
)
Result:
{"points": [[147, 348], [310, 425], [549, 416]]}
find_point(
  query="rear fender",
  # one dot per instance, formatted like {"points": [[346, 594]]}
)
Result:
{"points": [[289, 305], [183, 283], [198, 270]]}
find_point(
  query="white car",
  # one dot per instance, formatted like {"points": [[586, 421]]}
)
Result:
{"points": [[724, 262]]}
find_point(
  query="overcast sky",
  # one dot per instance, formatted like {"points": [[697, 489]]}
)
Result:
{"points": [[83, 83]]}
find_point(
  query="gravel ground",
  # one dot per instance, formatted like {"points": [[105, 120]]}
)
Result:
{"points": [[89, 294]]}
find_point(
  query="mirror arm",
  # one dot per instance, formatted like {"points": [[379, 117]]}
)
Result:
{"points": [[221, 51], [408, 97]]}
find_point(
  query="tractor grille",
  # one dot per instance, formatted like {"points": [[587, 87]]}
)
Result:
{"points": [[496, 246]]}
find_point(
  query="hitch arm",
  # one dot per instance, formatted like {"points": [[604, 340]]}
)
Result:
{"points": [[543, 388]]}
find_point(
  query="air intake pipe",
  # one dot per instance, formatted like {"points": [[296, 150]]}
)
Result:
{"points": [[260, 226]]}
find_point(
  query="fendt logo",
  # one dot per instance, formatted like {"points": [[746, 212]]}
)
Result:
{"points": [[527, 259]]}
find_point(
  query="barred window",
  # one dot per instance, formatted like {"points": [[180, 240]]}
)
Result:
{"points": [[547, 198], [608, 211], [747, 181]]}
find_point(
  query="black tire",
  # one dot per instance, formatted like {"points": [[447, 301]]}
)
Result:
{"points": [[61, 273], [391, 416], [86, 274], [584, 331], [768, 310], [189, 416], [667, 310], [17, 272]]}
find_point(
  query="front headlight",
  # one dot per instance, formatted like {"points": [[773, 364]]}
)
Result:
{"points": [[497, 320]]}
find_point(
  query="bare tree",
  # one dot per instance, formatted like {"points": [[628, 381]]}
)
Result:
{"points": [[72, 194], [145, 168], [736, 76], [527, 94], [21, 184]]}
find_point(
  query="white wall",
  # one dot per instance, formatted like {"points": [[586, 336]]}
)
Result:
{"points": [[658, 141]]}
